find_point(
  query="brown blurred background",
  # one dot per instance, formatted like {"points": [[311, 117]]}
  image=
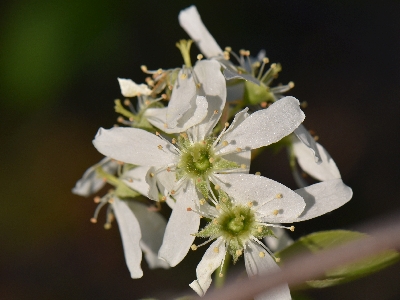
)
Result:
{"points": [[59, 65]]}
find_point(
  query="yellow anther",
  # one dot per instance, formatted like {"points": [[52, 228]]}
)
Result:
{"points": [[189, 209], [160, 71], [316, 138], [264, 104], [229, 49], [193, 247], [259, 229], [217, 187], [147, 102], [163, 198], [107, 226], [144, 68], [111, 200], [173, 141], [258, 173], [215, 111], [202, 201], [160, 147], [173, 192], [242, 52], [157, 133], [93, 220], [291, 228], [200, 56], [165, 125], [151, 174], [291, 84], [247, 53], [226, 55], [218, 207], [211, 160], [224, 199], [239, 149], [265, 60], [183, 76], [215, 221], [304, 104], [243, 166], [129, 179], [164, 96], [198, 85], [226, 124], [239, 252], [279, 196], [170, 87], [225, 143], [131, 119], [184, 135], [277, 259], [250, 204], [221, 275], [216, 250], [97, 199], [120, 120], [275, 212], [127, 102], [273, 66], [261, 254]]}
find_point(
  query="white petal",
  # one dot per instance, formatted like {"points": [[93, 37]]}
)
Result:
{"points": [[90, 183], [323, 197], [302, 133], [181, 225], [266, 196], [182, 98], [130, 234], [266, 126], [190, 20], [157, 117], [241, 158], [130, 89], [152, 226], [211, 260], [256, 265], [232, 74], [326, 170], [136, 180], [135, 146], [238, 119], [280, 241], [298, 178], [213, 87], [234, 91]]}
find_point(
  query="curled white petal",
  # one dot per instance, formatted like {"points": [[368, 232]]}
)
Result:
{"points": [[323, 197], [326, 170], [135, 146], [131, 235], [302, 133], [280, 241], [90, 183], [211, 260], [190, 20], [130, 89], [136, 180]]}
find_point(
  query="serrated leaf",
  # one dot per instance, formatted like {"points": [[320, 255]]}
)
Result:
{"points": [[324, 240]]}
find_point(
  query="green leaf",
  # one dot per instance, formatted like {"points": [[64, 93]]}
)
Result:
{"points": [[324, 240]]}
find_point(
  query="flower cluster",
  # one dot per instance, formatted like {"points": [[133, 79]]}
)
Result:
{"points": [[188, 143]]}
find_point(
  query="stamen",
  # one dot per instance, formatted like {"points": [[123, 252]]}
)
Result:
{"points": [[97, 199], [239, 149], [216, 249], [160, 147], [243, 166], [239, 252], [200, 56], [275, 212], [258, 173], [193, 247], [279, 196], [217, 187], [261, 254]]}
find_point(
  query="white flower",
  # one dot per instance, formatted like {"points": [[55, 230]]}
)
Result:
{"points": [[130, 89], [198, 158], [141, 229], [248, 207]]}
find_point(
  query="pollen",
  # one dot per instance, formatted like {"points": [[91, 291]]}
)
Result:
{"points": [[229, 49], [291, 228], [279, 196], [107, 226], [215, 111], [163, 198], [93, 220], [218, 207], [193, 247], [211, 160], [198, 85], [277, 259], [221, 275], [144, 68], [225, 143], [224, 199], [259, 229], [265, 60], [168, 169], [183, 76], [157, 133], [261, 254], [304, 104], [120, 120], [239, 149], [275, 212], [97, 199], [264, 104], [151, 174], [202, 201], [111, 200], [173, 192], [216, 250], [165, 125], [129, 179], [258, 173], [226, 124], [189, 209], [200, 56], [250, 204], [243, 166], [173, 141], [291, 84], [215, 221], [239, 252], [217, 187], [160, 147]]}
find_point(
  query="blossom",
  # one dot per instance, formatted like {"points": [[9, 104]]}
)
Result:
{"points": [[141, 229], [130, 89], [193, 160], [248, 207]]}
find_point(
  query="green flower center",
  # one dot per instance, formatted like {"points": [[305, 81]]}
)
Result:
{"points": [[237, 222], [197, 159]]}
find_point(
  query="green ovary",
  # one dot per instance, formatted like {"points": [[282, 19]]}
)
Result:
{"points": [[195, 159], [237, 222]]}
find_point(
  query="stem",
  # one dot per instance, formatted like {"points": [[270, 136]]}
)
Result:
{"points": [[219, 281]]}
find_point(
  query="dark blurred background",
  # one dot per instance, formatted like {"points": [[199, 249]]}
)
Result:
{"points": [[59, 65]]}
